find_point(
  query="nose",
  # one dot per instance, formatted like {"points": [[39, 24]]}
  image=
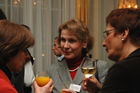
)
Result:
{"points": [[66, 45], [53, 48]]}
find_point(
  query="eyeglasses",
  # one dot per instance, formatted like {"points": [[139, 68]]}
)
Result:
{"points": [[107, 32]]}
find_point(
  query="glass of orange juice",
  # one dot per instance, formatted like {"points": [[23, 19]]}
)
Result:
{"points": [[42, 78]]}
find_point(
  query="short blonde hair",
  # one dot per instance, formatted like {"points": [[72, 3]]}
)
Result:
{"points": [[80, 30]]}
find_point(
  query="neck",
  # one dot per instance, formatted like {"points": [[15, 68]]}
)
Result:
{"points": [[127, 50], [73, 63]]}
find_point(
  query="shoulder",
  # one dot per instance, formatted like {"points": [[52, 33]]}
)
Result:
{"points": [[55, 67], [6, 87], [118, 70], [117, 78], [105, 64], [126, 66]]}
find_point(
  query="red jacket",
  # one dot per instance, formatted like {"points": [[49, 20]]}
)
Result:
{"points": [[5, 84]]}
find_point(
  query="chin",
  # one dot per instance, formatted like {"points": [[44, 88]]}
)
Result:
{"points": [[68, 57]]}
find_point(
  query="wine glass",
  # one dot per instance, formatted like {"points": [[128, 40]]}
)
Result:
{"points": [[88, 68], [42, 78]]}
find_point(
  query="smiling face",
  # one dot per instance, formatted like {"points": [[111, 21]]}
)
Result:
{"points": [[71, 46], [113, 44]]}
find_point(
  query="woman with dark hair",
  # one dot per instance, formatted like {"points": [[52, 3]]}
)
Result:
{"points": [[75, 42], [18, 78], [123, 27], [14, 41], [56, 48]]}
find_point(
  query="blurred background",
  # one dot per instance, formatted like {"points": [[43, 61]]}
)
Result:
{"points": [[44, 17]]}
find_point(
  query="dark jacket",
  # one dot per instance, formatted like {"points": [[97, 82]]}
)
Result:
{"points": [[124, 76]]}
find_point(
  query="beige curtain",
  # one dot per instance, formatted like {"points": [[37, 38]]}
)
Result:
{"points": [[82, 10]]}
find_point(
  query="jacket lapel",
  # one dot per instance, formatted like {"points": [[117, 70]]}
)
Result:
{"points": [[64, 74], [78, 77]]}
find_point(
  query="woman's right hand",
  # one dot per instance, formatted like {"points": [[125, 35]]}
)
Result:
{"points": [[91, 84], [45, 89]]}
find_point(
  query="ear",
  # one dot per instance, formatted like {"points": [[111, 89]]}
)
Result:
{"points": [[84, 44], [124, 35]]}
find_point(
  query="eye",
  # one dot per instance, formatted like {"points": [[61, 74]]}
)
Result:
{"points": [[72, 40], [107, 33], [63, 40], [54, 45]]}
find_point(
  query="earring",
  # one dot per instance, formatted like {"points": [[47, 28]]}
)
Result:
{"points": [[84, 46], [122, 39]]}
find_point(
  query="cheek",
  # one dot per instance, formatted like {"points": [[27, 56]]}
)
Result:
{"points": [[77, 50], [61, 44], [108, 41]]}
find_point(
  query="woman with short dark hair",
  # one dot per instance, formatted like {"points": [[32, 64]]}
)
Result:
{"points": [[122, 43]]}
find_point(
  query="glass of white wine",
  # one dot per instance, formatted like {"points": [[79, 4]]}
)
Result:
{"points": [[88, 68]]}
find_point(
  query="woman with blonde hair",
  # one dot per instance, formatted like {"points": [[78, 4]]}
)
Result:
{"points": [[75, 42]]}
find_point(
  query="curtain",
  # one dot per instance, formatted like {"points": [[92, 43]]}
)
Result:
{"points": [[43, 17], [82, 10]]}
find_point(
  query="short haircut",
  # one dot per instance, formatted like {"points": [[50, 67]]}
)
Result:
{"points": [[126, 19]]}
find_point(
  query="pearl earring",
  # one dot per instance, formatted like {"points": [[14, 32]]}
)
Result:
{"points": [[122, 39]]}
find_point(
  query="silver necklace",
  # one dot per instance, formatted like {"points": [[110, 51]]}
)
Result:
{"points": [[74, 69], [77, 67]]}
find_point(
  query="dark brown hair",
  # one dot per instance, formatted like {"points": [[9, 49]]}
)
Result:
{"points": [[80, 30], [13, 38], [126, 19]]}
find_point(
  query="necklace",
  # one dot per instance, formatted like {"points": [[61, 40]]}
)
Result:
{"points": [[77, 67], [74, 69]]}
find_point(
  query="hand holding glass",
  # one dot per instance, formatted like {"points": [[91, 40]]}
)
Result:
{"points": [[42, 78], [88, 69]]}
